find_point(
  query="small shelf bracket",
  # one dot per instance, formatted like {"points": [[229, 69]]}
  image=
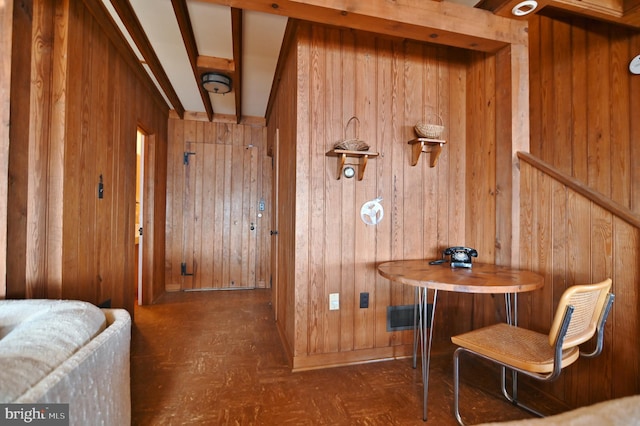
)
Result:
{"points": [[342, 155], [432, 146]]}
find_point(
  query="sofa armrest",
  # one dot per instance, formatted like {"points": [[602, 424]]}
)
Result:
{"points": [[95, 381], [621, 411]]}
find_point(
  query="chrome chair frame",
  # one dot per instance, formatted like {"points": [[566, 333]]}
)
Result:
{"points": [[557, 362], [513, 398]]}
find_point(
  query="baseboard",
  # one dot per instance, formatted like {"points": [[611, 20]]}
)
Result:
{"points": [[340, 359]]}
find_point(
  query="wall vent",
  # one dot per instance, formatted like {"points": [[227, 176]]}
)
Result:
{"points": [[401, 317]]}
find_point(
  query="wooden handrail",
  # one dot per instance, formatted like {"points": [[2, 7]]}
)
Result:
{"points": [[606, 203]]}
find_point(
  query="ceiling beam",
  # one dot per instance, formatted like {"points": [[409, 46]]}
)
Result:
{"points": [[632, 13], [287, 42], [211, 63], [236, 32], [130, 21], [438, 22], [631, 5], [625, 13], [182, 16], [505, 7]]}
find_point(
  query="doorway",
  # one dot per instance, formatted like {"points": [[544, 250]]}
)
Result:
{"points": [[275, 202], [140, 144]]}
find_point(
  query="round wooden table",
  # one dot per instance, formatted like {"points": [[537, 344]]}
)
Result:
{"points": [[481, 278]]}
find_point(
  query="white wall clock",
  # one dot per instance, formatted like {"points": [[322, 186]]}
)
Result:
{"points": [[634, 65]]}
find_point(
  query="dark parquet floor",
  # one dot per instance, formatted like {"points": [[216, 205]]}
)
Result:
{"points": [[215, 358]]}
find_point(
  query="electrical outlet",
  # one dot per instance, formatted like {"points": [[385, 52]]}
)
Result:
{"points": [[364, 300], [334, 301]]}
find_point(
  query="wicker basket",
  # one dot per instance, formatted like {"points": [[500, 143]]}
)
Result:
{"points": [[354, 144], [431, 128]]}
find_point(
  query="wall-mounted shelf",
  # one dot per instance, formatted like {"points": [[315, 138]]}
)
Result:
{"points": [[420, 145], [342, 155]]}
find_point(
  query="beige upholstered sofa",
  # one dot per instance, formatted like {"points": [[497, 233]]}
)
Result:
{"points": [[54, 351], [616, 412]]}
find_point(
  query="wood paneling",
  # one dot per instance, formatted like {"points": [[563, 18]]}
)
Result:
{"points": [[16, 198], [634, 131], [282, 133], [582, 105], [155, 184], [389, 85], [580, 210], [87, 99], [6, 41], [213, 206], [480, 199], [572, 240], [443, 22]]}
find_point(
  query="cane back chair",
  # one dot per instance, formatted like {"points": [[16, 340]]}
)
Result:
{"points": [[581, 313]]}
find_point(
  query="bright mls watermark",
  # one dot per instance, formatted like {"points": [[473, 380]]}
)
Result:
{"points": [[34, 414]]}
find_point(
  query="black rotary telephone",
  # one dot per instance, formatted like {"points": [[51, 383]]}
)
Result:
{"points": [[460, 256]]}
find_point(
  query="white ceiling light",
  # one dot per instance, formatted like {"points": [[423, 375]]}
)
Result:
{"points": [[216, 83], [524, 7]]}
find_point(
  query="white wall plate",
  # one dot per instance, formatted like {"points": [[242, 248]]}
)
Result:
{"points": [[634, 65]]}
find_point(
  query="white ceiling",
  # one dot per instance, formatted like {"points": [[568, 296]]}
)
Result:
{"points": [[262, 38], [211, 23]]}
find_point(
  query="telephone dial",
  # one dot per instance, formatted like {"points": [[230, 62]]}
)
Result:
{"points": [[460, 256]]}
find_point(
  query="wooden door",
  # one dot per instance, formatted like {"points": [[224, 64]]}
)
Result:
{"points": [[219, 211]]}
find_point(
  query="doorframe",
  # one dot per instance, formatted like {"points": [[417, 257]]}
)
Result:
{"points": [[148, 255], [141, 140], [274, 222]]}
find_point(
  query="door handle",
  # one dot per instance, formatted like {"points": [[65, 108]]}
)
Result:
{"points": [[252, 226]]}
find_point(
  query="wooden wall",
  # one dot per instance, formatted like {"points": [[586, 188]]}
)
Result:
{"points": [[389, 85], [6, 41], [584, 124], [212, 203], [572, 240], [86, 98], [584, 112], [282, 146], [15, 44]]}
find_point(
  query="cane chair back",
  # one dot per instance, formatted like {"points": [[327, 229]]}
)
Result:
{"points": [[588, 301]]}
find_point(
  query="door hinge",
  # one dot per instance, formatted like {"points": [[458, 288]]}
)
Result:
{"points": [[274, 232], [183, 270], [185, 158]]}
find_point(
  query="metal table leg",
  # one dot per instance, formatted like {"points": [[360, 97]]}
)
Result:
{"points": [[423, 312], [416, 299], [512, 319]]}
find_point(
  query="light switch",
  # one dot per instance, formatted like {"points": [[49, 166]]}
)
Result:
{"points": [[334, 301]]}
